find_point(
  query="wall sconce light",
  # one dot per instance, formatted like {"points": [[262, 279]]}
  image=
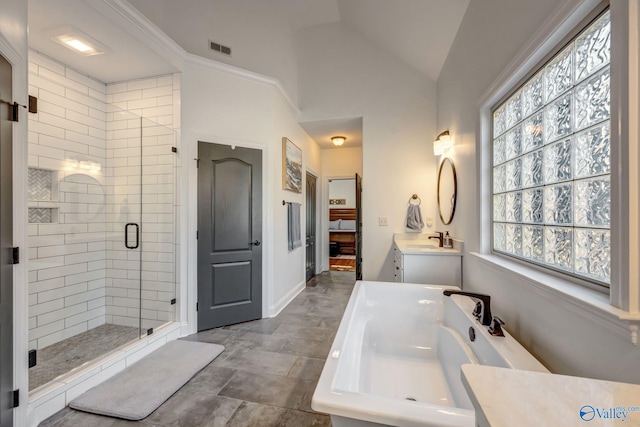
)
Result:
{"points": [[442, 143], [338, 140]]}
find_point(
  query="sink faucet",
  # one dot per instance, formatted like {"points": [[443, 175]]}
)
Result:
{"points": [[483, 307], [440, 236]]}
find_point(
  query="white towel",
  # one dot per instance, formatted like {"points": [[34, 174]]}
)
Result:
{"points": [[294, 234], [414, 217]]}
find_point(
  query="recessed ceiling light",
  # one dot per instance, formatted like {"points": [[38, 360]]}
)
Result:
{"points": [[77, 41], [79, 45]]}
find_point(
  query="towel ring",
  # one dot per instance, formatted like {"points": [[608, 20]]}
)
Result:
{"points": [[415, 197]]}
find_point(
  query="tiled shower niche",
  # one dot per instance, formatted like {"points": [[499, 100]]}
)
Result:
{"points": [[43, 196]]}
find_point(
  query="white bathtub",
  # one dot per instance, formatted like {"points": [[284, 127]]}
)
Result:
{"points": [[406, 341]]}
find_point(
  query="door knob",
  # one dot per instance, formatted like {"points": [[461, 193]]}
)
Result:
{"points": [[256, 243]]}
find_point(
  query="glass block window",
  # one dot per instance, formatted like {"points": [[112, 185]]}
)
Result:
{"points": [[551, 161]]}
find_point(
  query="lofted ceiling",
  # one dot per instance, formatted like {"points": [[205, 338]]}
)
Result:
{"points": [[307, 13], [418, 32]]}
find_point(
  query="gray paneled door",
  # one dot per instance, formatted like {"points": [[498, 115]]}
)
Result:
{"points": [[310, 267], [6, 243], [229, 235]]}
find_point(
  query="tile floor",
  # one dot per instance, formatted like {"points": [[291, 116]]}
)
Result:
{"points": [[59, 358], [266, 375]]}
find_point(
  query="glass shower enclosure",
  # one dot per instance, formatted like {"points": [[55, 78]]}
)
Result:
{"points": [[102, 237]]}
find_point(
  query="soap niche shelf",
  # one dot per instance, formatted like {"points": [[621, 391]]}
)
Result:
{"points": [[43, 196]]}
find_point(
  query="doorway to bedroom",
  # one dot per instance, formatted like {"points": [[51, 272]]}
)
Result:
{"points": [[342, 224]]}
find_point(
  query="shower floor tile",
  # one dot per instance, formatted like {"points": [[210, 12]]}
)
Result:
{"points": [[61, 357]]}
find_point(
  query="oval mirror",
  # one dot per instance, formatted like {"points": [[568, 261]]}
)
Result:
{"points": [[447, 190]]}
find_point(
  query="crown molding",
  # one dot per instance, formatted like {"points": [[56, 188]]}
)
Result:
{"points": [[155, 39], [139, 26]]}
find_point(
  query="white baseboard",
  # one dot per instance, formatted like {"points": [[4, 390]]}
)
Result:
{"points": [[185, 329], [276, 308]]}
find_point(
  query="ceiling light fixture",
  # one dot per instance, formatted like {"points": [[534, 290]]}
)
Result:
{"points": [[338, 140], [77, 41], [442, 143]]}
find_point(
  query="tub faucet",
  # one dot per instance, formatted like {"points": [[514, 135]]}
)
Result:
{"points": [[483, 307], [440, 236], [496, 327]]}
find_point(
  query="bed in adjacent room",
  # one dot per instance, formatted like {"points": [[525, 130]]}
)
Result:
{"points": [[342, 239]]}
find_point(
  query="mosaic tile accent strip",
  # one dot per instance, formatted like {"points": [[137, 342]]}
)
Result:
{"points": [[40, 215], [40, 184]]}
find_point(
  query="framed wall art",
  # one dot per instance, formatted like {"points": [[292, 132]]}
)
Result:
{"points": [[291, 166]]}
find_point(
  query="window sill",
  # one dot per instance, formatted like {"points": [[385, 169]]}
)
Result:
{"points": [[575, 296]]}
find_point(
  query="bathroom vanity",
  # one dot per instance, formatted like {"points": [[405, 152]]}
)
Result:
{"points": [[417, 259]]}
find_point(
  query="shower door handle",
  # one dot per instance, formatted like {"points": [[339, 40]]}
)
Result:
{"points": [[126, 236]]}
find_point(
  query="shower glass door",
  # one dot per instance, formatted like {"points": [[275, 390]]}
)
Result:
{"points": [[101, 233], [158, 230], [124, 225], [141, 283]]}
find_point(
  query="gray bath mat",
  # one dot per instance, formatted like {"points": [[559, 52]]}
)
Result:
{"points": [[137, 391]]}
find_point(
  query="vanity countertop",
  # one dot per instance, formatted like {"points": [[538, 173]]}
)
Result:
{"points": [[510, 397], [420, 244]]}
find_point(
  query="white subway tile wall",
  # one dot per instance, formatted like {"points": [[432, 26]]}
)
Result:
{"points": [[89, 134]]}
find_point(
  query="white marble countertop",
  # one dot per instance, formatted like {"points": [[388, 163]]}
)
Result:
{"points": [[510, 397], [421, 244]]}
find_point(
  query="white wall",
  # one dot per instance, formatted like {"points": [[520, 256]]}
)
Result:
{"points": [[343, 189], [13, 25], [566, 339], [220, 107], [289, 267], [343, 75], [342, 162]]}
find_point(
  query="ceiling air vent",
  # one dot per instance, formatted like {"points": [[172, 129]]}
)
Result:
{"points": [[217, 47]]}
